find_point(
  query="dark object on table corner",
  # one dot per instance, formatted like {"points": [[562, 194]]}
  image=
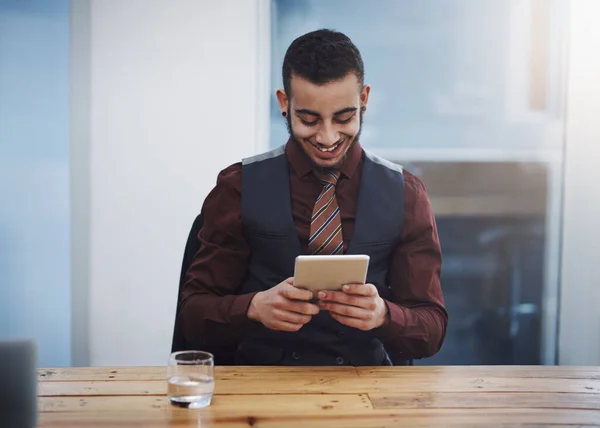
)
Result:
{"points": [[18, 388]]}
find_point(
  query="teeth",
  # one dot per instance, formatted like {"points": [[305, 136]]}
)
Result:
{"points": [[332, 148]]}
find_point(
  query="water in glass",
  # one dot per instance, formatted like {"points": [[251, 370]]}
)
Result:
{"points": [[192, 391], [190, 379]]}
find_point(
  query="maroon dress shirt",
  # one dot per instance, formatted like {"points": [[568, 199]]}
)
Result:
{"points": [[212, 313]]}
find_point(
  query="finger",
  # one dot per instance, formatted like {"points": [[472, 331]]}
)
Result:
{"points": [[366, 290], [334, 296], [295, 293], [301, 307], [349, 299], [285, 326], [351, 322], [360, 289], [291, 317], [347, 311]]}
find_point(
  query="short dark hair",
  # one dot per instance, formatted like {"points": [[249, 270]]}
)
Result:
{"points": [[322, 56]]}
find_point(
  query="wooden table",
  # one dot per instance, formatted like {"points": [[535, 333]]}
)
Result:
{"points": [[328, 396]]}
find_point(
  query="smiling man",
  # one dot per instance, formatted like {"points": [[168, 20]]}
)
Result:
{"points": [[320, 193]]}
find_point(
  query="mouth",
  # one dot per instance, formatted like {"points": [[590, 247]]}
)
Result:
{"points": [[324, 152]]}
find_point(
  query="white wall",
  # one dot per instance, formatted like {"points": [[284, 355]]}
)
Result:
{"points": [[173, 100], [579, 334]]}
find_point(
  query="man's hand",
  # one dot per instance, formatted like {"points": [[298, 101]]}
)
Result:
{"points": [[283, 307], [357, 305]]}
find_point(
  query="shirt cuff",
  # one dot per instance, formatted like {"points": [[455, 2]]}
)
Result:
{"points": [[239, 312], [393, 327]]}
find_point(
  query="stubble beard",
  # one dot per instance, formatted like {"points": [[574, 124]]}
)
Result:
{"points": [[290, 129]]}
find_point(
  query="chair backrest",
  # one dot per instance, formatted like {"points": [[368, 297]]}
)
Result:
{"points": [[223, 355], [192, 246]]}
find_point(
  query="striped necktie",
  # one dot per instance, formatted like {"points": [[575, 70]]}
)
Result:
{"points": [[326, 222]]}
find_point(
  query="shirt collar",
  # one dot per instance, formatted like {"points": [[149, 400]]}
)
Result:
{"points": [[302, 165]]}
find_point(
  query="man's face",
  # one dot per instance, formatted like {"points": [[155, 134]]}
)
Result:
{"points": [[325, 120]]}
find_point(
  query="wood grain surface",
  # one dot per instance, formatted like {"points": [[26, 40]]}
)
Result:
{"points": [[548, 396]]}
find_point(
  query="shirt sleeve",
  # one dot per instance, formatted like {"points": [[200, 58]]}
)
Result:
{"points": [[417, 320], [211, 312]]}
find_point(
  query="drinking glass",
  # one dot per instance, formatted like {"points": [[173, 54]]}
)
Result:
{"points": [[190, 379]]}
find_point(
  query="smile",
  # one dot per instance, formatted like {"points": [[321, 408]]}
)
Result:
{"points": [[328, 149]]}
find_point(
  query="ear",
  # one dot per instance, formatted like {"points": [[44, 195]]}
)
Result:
{"points": [[283, 100], [364, 95]]}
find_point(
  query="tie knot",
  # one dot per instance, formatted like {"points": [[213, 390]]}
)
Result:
{"points": [[329, 177]]}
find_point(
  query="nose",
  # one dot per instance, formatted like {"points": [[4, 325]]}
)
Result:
{"points": [[327, 135]]}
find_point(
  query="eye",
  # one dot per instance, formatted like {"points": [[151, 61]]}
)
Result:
{"points": [[307, 123], [344, 121]]}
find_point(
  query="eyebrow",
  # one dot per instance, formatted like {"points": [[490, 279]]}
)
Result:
{"points": [[316, 114]]}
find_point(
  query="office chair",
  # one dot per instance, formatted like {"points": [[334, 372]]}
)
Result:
{"points": [[223, 355]]}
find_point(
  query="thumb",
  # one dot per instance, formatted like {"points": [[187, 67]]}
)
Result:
{"points": [[292, 292]]}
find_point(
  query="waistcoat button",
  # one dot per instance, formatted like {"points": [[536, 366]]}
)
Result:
{"points": [[295, 355], [339, 360]]}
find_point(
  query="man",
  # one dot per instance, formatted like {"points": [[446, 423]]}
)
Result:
{"points": [[318, 194]]}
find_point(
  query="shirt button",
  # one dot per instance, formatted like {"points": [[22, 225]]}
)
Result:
{"points": [[340, 333], [295, 355], [339, 360]]}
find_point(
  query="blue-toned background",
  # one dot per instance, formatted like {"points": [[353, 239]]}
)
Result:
{"points": [[444, 74], [466, 94], [34, 176]]}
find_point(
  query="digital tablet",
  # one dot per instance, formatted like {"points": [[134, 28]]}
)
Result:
{"points": [[316, 273]]}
